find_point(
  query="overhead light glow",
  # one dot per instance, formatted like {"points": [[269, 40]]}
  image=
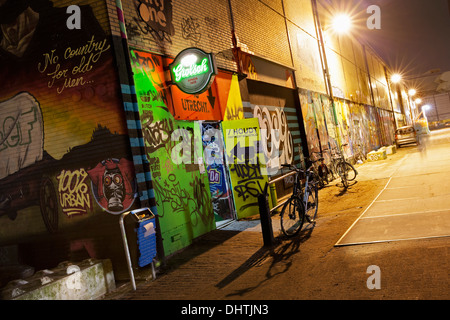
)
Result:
{"points": [[341, 23], [396, 78], [412, 92]]}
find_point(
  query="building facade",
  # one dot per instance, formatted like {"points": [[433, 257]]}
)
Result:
{"points": [[93, 124]]}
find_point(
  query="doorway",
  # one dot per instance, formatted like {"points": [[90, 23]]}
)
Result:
{"points": [[218, 175]]}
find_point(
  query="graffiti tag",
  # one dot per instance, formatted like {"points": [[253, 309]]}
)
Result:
{"points": [[248, 184], [277, 139], [157, 17], [62, 78], [73, 191], [152, 66], [156, 133]]}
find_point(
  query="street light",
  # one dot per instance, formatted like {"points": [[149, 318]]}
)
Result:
{"points": [[412, 92], [342, 23], [396, 78]]}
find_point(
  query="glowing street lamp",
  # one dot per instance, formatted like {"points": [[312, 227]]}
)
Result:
{"points": [[412, 92], [342, 23], [396, 78]]}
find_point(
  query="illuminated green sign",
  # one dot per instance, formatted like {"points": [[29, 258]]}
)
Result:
{"points": [[193, 70]]}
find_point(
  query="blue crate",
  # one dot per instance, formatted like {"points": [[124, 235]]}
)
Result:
{"points": [[146, 239]]}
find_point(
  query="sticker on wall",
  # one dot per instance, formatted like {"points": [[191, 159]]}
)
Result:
{"points": [[113, 185]]}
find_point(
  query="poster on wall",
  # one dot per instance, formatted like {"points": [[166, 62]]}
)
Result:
{"points": [[221, 194], [246, 160]]}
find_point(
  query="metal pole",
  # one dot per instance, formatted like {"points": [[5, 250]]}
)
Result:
{"points": [[127, 251], [266, 221]]}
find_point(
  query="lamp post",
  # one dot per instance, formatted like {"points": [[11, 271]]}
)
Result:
{"points": [[398, 79], [340, 24], [325, 69]]}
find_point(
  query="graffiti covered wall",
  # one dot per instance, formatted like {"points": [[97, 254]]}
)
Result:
{"points": [[352, 125], [65, 171], [175, 155]]}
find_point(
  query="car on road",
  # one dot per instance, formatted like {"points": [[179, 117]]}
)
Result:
{"points": [[406, 135]]}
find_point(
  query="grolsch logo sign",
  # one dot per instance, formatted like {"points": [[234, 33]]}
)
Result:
{"points": [[193, 71]]}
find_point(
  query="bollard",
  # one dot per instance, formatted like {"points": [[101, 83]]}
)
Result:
{"points": [[266, 220]]}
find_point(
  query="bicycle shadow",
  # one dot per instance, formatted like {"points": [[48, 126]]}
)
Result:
{"points": [[342, 190], [280, 256]]}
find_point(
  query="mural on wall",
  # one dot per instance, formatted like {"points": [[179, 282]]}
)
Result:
{"points": [[341, 109], [248, 172], [387, 125], [359, 132], [309, 121], [321, 126], [21, 133], [276, 137], [358, 126], [114, 185], [60, 117], [329, 116], [274, 107], [175, 155]]}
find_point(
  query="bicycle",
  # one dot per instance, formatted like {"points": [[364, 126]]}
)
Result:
{"points": [[322, 171], [345, 170], [358, 155], [303, 204]]}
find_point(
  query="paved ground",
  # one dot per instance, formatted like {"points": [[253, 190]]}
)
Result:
{"points": [[233, 264], [415, 203]]}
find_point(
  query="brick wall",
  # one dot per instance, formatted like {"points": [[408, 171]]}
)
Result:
{"points": [[203, 24]]}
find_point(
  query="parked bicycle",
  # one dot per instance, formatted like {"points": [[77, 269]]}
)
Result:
{"points": [[358, 153], [323, 172], [303, 204], [344, 169]]}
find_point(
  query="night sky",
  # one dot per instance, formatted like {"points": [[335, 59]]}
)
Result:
{"points": [[414, 37]]}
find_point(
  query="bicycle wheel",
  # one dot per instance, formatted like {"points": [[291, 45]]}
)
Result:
{"points": [[341, 168], [312, 203], [321, 182], [351, 171], [323, 175], [292, 216]]}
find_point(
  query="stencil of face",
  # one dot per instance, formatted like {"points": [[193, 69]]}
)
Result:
{"points": [[114, 189]]}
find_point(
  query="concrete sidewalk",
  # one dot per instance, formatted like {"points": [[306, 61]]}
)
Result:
{"points": [[232, 263]]}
